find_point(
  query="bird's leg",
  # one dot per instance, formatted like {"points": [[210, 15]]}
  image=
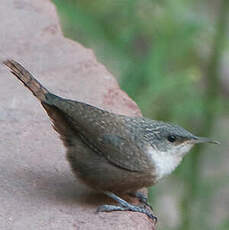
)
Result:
{"points": [[142, 198], [124, 206]]}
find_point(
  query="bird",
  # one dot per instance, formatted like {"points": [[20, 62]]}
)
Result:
{"points": [[111, 153]]}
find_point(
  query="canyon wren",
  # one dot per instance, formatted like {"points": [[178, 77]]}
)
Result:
{"points": [[111, 153]]}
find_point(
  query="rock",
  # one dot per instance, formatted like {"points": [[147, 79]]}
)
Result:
{"points": [[37, 188]]}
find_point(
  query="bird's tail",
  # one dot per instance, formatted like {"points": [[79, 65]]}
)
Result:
{"points": [[28, 80]]}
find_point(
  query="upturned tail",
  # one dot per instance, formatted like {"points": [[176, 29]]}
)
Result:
{"points": [[28, 80]]}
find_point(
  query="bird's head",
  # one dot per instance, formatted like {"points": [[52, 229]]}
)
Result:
{"points": [[174, 139]]}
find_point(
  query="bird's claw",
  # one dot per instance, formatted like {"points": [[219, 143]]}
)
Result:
{"points": [[125, 206]]}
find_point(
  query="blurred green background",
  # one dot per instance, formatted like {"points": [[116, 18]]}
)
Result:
{"points": [[171, 58]]}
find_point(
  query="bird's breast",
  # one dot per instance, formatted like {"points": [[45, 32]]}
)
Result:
{"points": [[164, 162]]}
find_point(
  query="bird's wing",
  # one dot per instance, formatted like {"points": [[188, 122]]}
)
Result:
{"points": [[124, 153], [102, 131]]}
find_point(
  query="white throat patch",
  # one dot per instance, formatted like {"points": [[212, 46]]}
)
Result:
{"points": [[166, 162]]}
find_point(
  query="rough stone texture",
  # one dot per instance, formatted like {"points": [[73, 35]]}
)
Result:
{"points": [[37, 188]]}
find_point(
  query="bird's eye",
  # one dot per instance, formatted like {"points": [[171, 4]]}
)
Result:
{"points": [[171, 138]]}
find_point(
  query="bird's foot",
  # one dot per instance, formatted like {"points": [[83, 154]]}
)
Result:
{"points": [[125, 206], [142, 198]]}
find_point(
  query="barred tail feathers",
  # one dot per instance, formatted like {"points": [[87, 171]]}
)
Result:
{"points": [[28, 80]]}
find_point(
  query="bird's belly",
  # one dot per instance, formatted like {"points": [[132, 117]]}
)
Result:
{"points": [[98, 173]]}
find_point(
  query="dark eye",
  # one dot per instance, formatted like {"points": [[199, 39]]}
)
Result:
{"points": [[171, 138]]}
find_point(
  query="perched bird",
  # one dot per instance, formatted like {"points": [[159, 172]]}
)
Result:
{"points": [[111, 153]]}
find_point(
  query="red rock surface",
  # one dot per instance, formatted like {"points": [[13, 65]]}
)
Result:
{"points": [[37, 188]]}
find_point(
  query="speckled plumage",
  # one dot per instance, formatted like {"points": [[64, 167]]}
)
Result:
{"points": [[110, 152]]}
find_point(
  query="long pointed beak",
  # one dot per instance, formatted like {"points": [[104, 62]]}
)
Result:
{"points": [[197, 140]]}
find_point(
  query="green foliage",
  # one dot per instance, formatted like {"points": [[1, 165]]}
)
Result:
{"points": [[159, 51], [149, 45]]}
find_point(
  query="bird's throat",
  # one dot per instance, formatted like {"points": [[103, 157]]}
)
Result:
{"points": [[164, 162]]}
